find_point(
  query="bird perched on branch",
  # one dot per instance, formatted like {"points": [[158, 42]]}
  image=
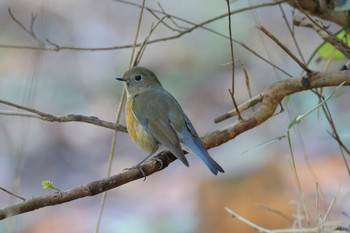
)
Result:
{"points": [[154, 118]]}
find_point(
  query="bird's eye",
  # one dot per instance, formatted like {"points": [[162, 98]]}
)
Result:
{"points": [[138, 77]]}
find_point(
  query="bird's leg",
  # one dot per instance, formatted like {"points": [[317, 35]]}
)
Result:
{"points": [[138, 166], [147, 157]]}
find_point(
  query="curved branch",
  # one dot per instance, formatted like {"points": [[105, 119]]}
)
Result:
{"points": [[271, 98]]}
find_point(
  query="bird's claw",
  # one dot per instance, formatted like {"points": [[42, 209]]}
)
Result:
{"points": [[160, 162], [138, 166]]}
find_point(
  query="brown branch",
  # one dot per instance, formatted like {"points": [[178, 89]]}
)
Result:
{"points": [[271, 98], [232, 56], [323, 9], [324, 34], [52, 118], [250, 103], [285, 49], [291, 32], [232, 91]]}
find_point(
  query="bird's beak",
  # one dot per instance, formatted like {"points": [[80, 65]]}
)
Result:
{"points": [[121, 79]]}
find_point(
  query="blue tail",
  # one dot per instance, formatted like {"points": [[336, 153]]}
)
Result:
{"points": [[196, 145]]}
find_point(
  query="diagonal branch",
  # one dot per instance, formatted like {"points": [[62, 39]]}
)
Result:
{"points": [[271, 98], [326, 35]]}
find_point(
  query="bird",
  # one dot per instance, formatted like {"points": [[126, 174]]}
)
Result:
{"points": [[154, 118]]}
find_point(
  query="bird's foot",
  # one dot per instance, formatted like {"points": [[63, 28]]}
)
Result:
{"points": [[160, 162], [137, 166]]}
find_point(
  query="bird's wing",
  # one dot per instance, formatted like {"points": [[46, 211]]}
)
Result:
{"points": [[151, 110]]}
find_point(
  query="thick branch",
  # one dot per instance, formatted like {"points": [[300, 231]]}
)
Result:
{"points": [[271, 97], [324, 9]]}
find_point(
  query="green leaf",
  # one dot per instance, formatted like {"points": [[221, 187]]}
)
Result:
{"points": [[328, 51], [46, 184]]}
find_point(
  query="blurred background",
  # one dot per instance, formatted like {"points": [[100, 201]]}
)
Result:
{"points": [[258, 185]]}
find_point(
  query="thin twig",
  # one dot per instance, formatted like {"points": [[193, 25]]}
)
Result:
{"points": [[232, 52], [330, 207], [246, 221], [12, 194], [137, 35], [285, 49], [324, 34], [232, 91], [164, 23], [292, 33], [247, 83], [171, 19], [278, 212], [144, 43], [248, 104], [334, 133], [30, 31], [52, 118], [342, 149], [265, 230]]}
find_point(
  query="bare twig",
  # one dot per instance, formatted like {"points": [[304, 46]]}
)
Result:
{"points": [[232, 54], [201, 25], [330, 207], [279, 213], [235, 104], [12, 194], [171, 19], [322, 9], [232, 91], [250, 103], [265, 230], [291, 31], [52, 118], [137, 35], [30, 31], [324, 34], [247, 83], [144, 43], [285, 49], [342, 149]]}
